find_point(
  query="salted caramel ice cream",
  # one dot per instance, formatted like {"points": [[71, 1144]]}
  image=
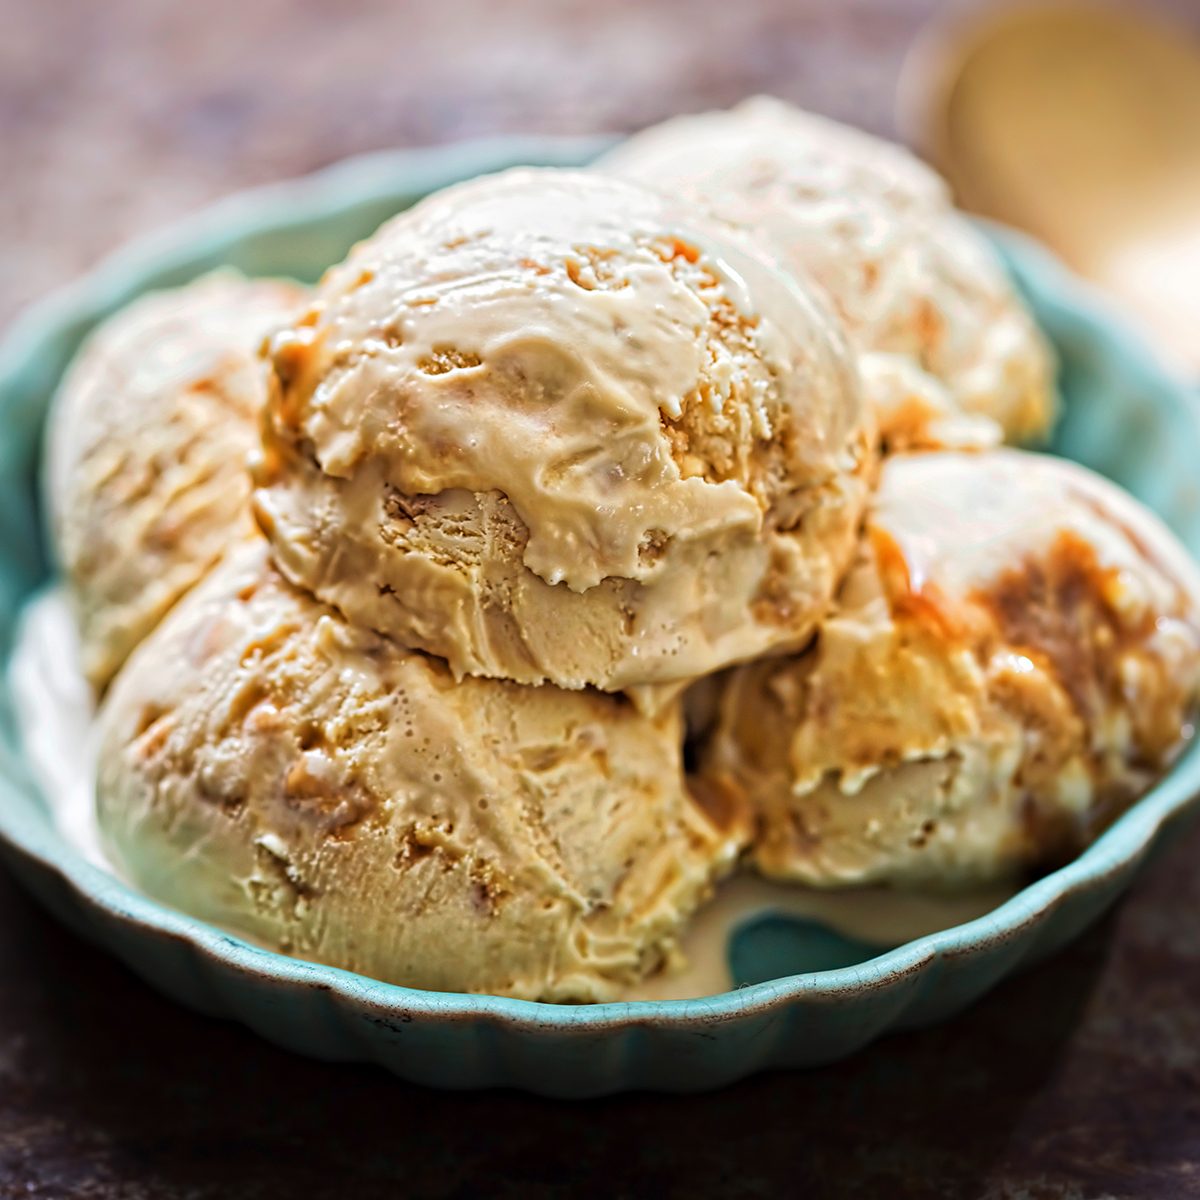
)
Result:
{"points": [[1014, 658], [312, 785], [146, 457], [550, 426], [401, 593], [950, 355]]}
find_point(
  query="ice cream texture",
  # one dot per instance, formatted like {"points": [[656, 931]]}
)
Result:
{"points": [[951, 357], [312, 785], [551, 427], [146, 457], [552, 464], [1014, 658]]}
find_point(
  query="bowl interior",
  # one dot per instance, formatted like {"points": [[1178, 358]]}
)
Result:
{"points": [[1122, 415]]}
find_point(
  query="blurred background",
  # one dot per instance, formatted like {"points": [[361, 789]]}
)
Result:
{"points": [[120, 116]]}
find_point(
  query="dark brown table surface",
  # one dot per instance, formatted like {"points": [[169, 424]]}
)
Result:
{"points": [[1078, 1079]]}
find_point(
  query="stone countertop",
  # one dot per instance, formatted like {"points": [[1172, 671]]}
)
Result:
{"points": [[1079, 1078]]}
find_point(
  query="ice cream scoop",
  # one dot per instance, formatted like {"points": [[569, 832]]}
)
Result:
{"points": [[950, 355], [1014, 658], [1076, 121], [550, 427], [268, 767], [147, 447]]}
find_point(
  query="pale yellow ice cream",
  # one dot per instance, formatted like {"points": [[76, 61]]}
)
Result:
{"points": [[549, 426], [147, 448], [1014, 659], [951, 356], [266, 766]]}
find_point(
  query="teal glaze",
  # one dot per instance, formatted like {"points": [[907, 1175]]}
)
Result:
{"points": [[1124, 415]]}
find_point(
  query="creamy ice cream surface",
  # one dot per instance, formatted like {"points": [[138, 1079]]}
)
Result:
{"points": [[146, 457], [270, 768], [398, 593], [1014, 658], [550, 427], [951, 356]]}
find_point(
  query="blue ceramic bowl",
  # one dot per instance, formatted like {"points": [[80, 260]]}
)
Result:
{"points": [[1124, 416]]}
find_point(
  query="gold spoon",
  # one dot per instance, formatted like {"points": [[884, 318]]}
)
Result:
{"points": [[1081, 124]]}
